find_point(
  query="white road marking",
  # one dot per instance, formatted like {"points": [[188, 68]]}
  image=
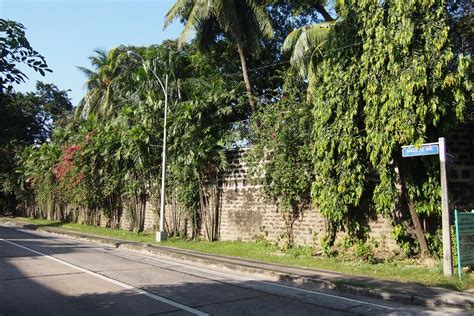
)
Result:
{"points": [[223, 274], [113, 281], [235, 277]]}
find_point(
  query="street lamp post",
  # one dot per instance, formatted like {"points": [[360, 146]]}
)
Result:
{"points": [[161, 234]]}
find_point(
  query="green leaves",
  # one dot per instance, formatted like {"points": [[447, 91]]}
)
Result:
{"points": [[119, 136], [15, 49], [402, 86], [281, 155], [306, 45]]}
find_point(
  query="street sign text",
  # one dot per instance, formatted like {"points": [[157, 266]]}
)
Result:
{"points": [[424, 150]]}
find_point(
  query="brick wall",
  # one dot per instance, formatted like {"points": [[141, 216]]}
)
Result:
{"points": [[460, 143], [151, 217], [246, 215]]}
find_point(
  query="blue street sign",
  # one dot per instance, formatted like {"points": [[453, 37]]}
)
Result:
{"points": [[424, 150], [435, 149]]}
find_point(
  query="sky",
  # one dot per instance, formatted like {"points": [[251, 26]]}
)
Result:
{"points": [[66, 32]]}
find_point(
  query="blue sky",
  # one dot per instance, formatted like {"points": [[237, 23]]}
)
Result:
{"points": [[66, 32]]}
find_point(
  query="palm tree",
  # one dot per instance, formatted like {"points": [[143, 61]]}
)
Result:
{"points": [[245, 22], [306, 43], [100, 83]]}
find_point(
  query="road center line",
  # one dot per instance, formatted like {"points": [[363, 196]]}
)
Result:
{"points": [[113, 281]]}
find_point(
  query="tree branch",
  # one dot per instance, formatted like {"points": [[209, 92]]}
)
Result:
{"points": [[323, 12]]}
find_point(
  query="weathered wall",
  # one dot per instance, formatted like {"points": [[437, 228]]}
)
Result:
{"points": [[246, 215], [460, 143]]}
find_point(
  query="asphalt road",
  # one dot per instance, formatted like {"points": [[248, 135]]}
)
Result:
{"points": [[46, 274]]}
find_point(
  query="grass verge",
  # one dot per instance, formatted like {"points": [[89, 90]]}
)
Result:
{"points": [[401, 270]]}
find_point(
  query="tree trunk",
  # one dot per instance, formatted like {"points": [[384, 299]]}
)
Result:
{"points": [[245, 73], [323, 12], [418, 229]]}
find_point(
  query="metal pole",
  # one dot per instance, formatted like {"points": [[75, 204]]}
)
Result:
{"points": [[447, 251], [456, 221], [161, 235]]}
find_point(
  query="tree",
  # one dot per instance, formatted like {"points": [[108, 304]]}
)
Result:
{"points": [[281, 156], [199, 126], [244, 22], [389, 79], [27, 119], [109, 165], [101, 83], [307, 43], [461, 24], [15, 49], [305, 6]]}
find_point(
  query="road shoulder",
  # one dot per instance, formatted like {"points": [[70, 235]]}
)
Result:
{"points": [[392, 291]]}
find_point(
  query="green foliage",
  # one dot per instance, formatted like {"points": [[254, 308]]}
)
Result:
{"points": [[281, 156], [364, 251], [436, 245], [104, 84], [306, 45], [26, 119], [245, 23], [14, 50], [384, 74], [400, 235], [199, 125], [389, 78], [108, 160], [326, 246]]}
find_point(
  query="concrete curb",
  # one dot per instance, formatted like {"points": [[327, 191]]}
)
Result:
{"points": [[316, 279]]}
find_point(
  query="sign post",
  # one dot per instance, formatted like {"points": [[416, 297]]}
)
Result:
{"points": [[447, 251], [438, 148]]}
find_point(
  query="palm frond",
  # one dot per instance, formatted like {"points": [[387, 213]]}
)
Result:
{"points": [[200, 12], [79, 109], [177, 10], [306, 44], [261, 17], [291, 40], [226, 13], [86, 71], [98, 59]]}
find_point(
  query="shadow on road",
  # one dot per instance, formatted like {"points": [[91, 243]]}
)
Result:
{"points": [[31, 283]]}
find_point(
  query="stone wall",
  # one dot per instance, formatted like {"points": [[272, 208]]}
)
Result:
{"points": [[246, 215], [460, 143]]}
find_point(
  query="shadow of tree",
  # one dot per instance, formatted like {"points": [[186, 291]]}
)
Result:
{"points": [[33, 284]]}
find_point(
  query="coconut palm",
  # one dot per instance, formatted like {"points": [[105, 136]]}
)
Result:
{"points": [[100, 83], [244, 22], [306, 43]]}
